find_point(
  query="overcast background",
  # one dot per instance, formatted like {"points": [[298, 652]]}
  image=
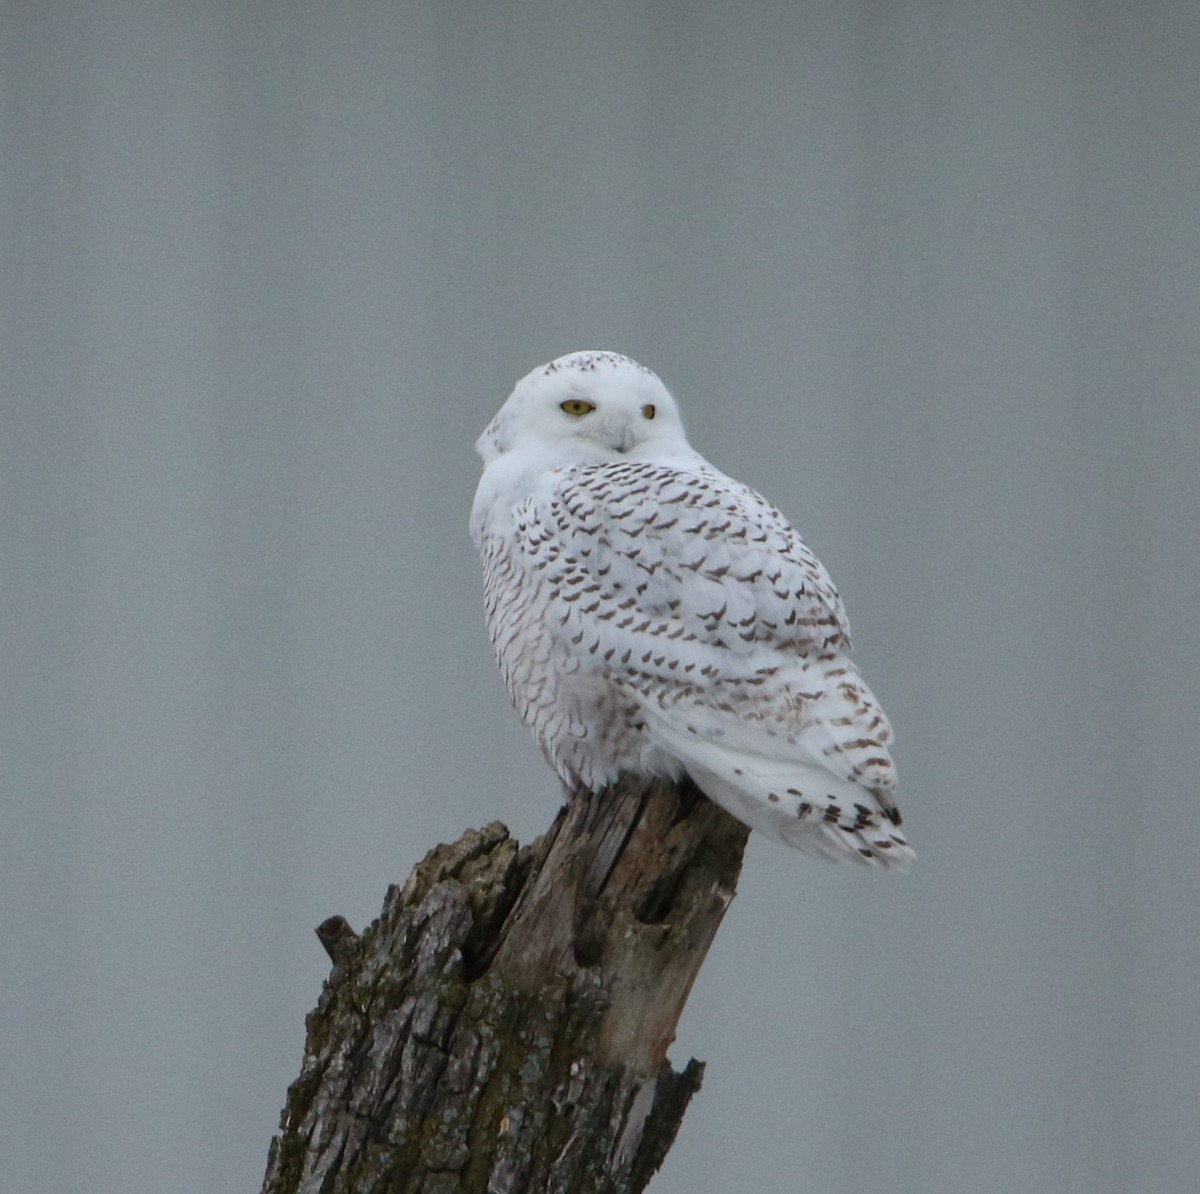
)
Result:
{"points": [[927, 274]]}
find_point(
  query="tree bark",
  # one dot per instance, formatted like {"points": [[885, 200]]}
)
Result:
{"points": [[503, 1026]]}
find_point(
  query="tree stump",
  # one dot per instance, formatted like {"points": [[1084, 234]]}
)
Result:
{"points": [[503, 1026]]}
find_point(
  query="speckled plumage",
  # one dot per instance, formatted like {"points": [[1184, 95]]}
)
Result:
{"points": [[651, 614]]}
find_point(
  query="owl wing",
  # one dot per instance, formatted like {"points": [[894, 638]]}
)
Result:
{"points": [[701, 606]]}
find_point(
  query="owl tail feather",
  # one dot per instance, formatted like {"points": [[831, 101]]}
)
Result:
{"points": [[798, 804]]}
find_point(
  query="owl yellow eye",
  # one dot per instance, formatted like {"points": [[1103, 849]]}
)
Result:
{"points": [[648, 411], [577, 406]]}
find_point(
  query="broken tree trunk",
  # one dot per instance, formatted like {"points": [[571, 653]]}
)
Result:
{"points": [[503, 1027]]}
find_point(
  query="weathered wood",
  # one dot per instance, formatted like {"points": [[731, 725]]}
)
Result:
{"points": [[503, 1026]]}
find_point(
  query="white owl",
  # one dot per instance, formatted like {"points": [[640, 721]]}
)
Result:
{"points": [[652, 615]]}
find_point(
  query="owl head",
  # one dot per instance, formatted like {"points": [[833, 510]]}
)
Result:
{"points": [[586, 407]]}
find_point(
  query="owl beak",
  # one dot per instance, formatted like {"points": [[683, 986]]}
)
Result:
{"points": [[620, 436], [615, 433]]}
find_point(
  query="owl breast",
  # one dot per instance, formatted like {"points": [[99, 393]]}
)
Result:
{"points": [[559, 678]]}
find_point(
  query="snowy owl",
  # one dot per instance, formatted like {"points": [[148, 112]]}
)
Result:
{"points": [[652, 615]]}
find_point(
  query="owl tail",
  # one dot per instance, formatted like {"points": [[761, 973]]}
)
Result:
{"points": [[795, 803]]}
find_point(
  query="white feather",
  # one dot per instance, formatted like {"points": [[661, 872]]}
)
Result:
{"points": [[651, 614]]}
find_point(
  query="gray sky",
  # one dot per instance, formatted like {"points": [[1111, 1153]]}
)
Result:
{"points": [[925, 274]]}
